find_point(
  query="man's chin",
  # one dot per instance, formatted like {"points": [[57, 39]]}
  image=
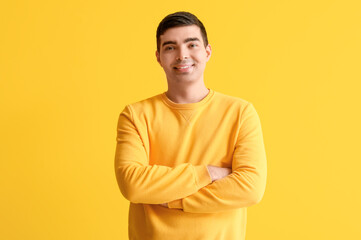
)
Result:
{"points": [[185, 78]]}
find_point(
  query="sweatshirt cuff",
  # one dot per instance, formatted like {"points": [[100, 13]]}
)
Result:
{"points": [[176, 204], [203, 178]]}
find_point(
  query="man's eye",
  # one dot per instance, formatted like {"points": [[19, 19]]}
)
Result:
{"points": [[193, 45], [169, 48]]}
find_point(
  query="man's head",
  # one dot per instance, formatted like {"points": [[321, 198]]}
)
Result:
{"points": [[182, 48], [179, 19]]}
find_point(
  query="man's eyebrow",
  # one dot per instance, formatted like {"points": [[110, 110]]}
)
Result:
{"points": [[191, 39], [185, 41], [168, 42]]}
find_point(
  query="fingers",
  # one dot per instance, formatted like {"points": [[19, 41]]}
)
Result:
{"points": [[218, 172]]}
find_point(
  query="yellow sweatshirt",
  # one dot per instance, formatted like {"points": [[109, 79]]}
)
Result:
{"points": [[163, 149]]}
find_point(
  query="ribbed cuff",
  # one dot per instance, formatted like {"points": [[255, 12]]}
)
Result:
{"points": [[203, 177], [176, 204]]}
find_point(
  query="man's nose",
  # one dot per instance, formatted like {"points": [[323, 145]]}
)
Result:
{"points": [[183, 54]]}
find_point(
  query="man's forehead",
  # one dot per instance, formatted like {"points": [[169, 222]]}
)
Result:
{"points": [[181, 33]]}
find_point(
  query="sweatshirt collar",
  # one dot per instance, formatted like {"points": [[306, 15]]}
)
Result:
{"points": [[172, 104]]}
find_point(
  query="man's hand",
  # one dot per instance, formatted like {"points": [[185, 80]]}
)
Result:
{"points": [[218, 172]]}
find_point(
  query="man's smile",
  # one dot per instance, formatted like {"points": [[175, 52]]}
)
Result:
{"points": [[183, 67]]}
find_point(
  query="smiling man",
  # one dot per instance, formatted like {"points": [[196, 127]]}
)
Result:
{"points": [[190, 160]]}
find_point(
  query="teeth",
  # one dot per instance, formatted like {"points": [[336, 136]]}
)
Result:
{"points": [[184, 67]]}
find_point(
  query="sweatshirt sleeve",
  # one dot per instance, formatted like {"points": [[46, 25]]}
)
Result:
{"points": [[140, 182], [246, 184]]}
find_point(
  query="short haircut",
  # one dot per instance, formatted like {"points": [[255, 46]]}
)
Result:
{"points": [[179, 19]]}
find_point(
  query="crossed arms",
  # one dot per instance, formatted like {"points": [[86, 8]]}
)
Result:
{"points": [[215, 173], [193, 188]]}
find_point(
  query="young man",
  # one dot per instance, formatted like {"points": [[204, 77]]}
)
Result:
{"points": [[189, 160]]}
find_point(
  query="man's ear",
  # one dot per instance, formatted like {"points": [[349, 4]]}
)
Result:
{"points": [[208, 51], [158, 57]]}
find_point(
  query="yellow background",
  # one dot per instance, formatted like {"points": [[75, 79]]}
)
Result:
{"points": [[67, 69]]}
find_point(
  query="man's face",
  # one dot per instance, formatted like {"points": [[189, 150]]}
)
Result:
{"points": [[182, 54]]}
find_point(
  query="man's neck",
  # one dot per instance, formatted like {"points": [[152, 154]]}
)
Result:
{"points": [[187, 94]]}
